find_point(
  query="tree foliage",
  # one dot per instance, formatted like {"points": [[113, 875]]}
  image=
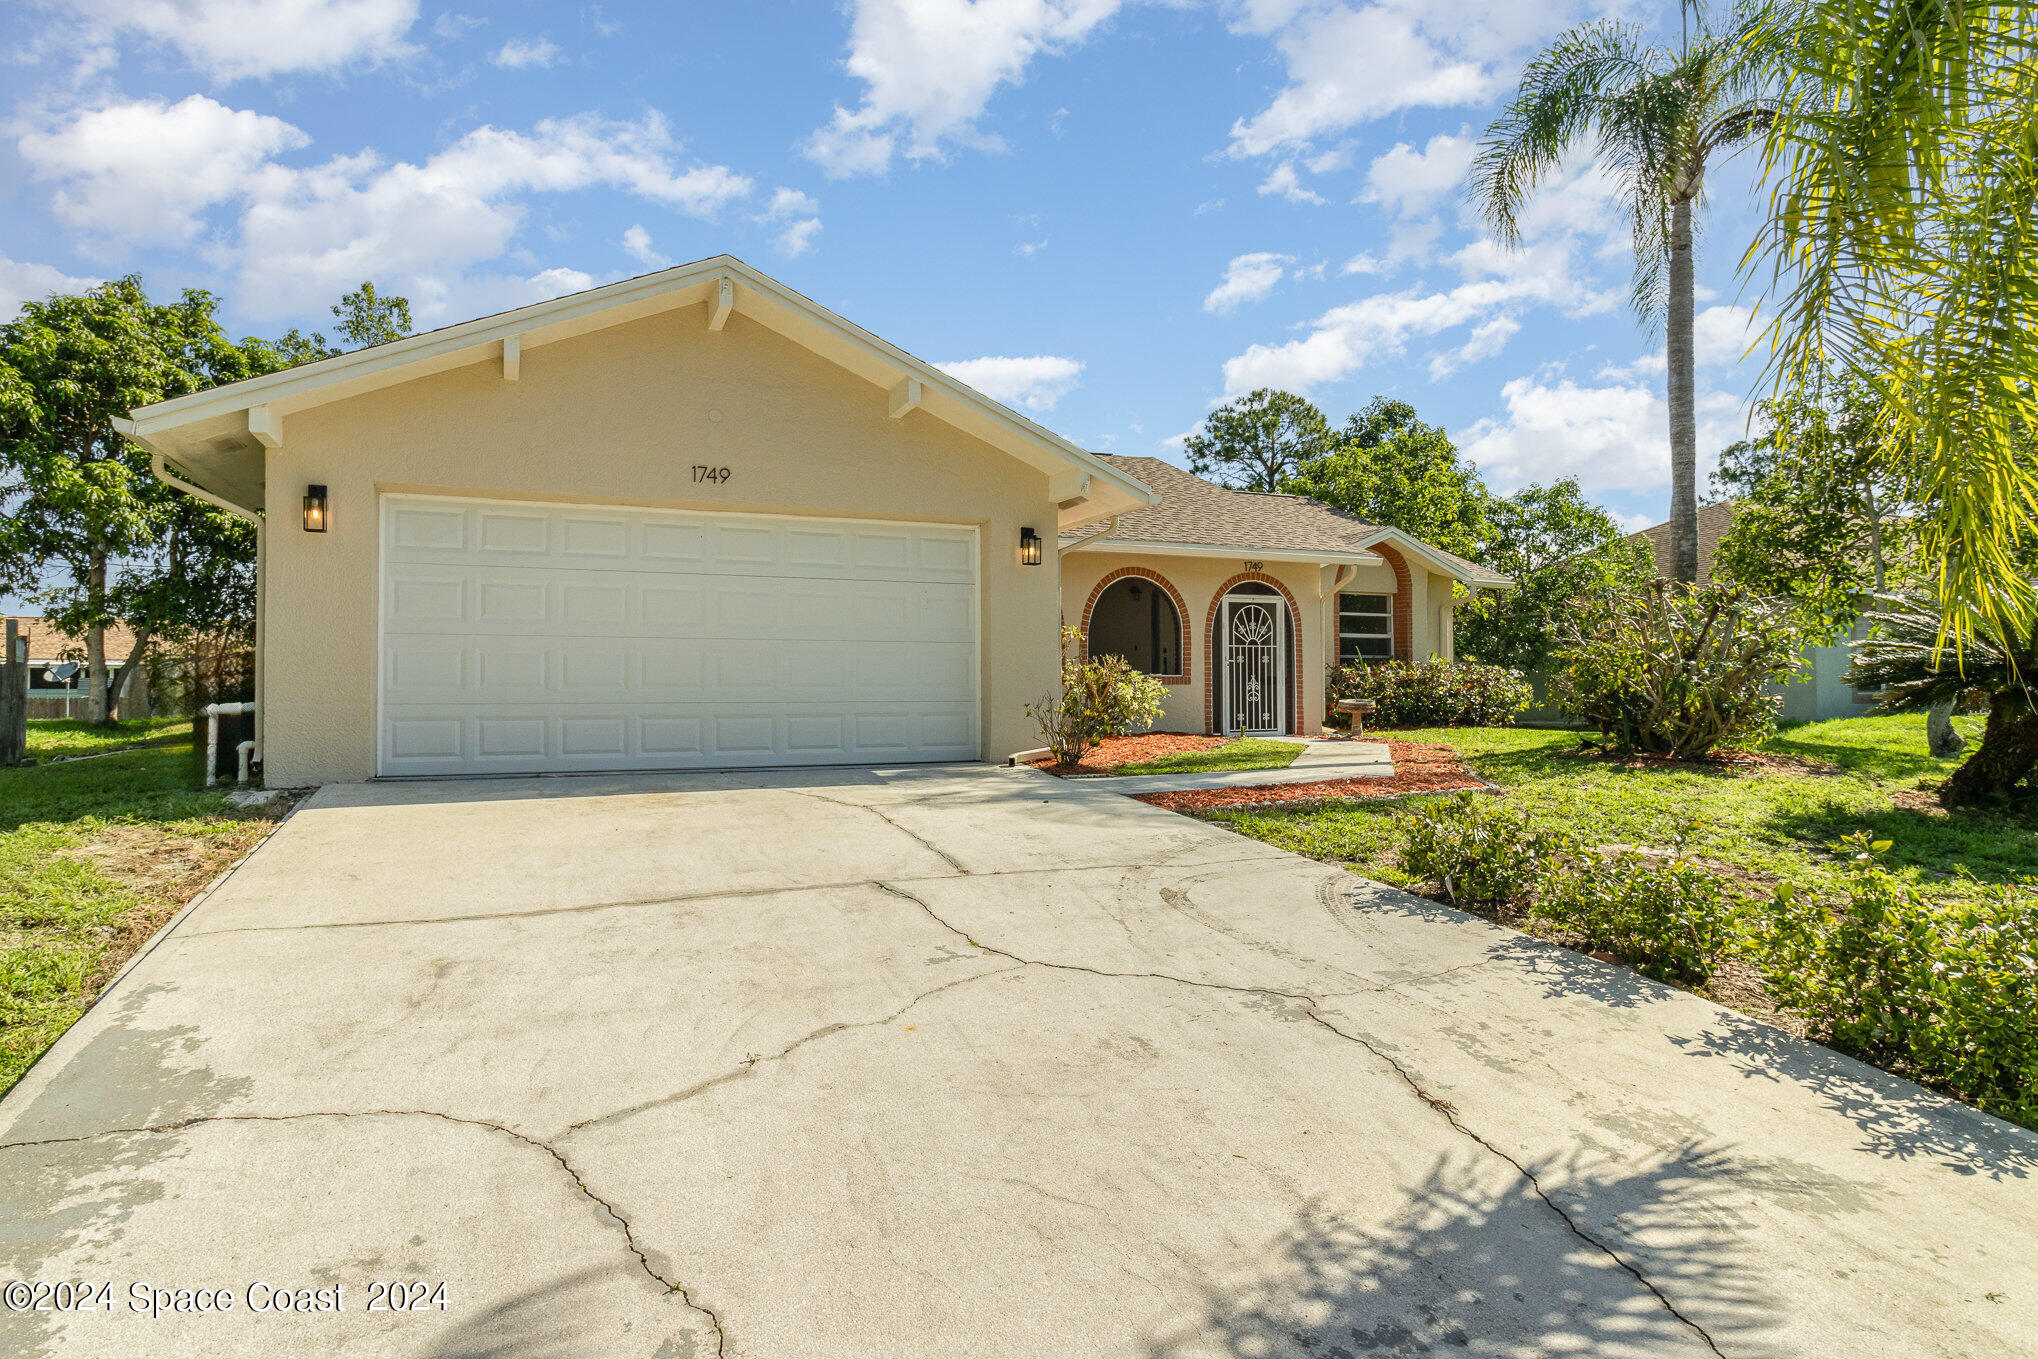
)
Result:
{"points": [[1902, 249], [1258, 441], [1389, 467], [89, 530], [1822, 519], [1657, 119], [1559, 548]]}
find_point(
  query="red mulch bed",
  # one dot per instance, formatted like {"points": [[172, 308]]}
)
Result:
{"points": [[1113, 751], [1419, 767]]}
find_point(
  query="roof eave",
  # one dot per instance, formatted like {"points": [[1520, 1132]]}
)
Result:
{"points": [[1232, 550]]}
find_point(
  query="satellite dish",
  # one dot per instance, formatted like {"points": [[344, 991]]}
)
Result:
{"points": [[60, 672]]}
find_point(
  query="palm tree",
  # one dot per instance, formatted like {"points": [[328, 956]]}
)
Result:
{"points": [[1903, 249], [1658, 119]]}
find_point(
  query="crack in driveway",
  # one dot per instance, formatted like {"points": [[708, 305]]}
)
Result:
{"points": [[751, 1064], [1312, 1008], [629, 1234]]}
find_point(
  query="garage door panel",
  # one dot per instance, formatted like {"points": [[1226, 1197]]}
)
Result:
{"points": [[566, 637]]}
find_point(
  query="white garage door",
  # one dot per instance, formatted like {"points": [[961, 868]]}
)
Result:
{"points": [[520, 637]]}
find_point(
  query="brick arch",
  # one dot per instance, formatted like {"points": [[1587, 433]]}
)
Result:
{"points": [[1181, 615], [1213, 655], [1404, 602]]}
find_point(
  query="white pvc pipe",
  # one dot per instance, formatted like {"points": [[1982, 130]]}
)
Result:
{"points": [[246, 750], [213, 712]]}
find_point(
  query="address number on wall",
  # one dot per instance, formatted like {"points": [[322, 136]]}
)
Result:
{"points": [[718, 475], [1250, 566]]}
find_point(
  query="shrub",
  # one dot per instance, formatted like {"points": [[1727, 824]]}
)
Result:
{"points": [[1673, 669], [1667, 918], [1435, 692], [1482, 853], [1100, 696], [1947, 992]]}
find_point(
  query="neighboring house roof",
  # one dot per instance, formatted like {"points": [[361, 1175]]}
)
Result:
{"points": [[1198, 514], [1713, 523], [216, 436], [46, 643]]}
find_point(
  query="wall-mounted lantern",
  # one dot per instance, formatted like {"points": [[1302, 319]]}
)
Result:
{"points": [[314, 509], [1029, 547]]}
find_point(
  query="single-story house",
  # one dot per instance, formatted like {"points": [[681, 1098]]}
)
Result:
{"points": [[57, 683], [1818, 692], [695, 519]]}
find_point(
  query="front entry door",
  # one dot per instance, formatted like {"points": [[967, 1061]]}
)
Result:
{"points": [[1254, 695]]}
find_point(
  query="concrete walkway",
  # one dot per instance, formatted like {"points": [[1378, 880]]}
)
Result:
{"points": [[1321, 760], [951, 1063]]}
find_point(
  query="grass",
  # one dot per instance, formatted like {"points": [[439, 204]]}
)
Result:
{"points": [[1248, 752], [94, 856], [56, 737], [1762, 827]]}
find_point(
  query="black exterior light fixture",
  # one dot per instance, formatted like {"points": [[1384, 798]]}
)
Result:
{"points": [[1029, 547], [314, 509]]}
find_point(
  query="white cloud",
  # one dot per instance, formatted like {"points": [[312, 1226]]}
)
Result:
{"points": [[1348, 63], [452, 26], [1721, 336], [1612, 438], [1363, 263], [1497, 286], [1411, 181], [1285, 182], [930, 67], [1488, 338], [798, 239], [230, 39], [787, 205], [145, 171], [637, 245], [1035, 383], [22, 281], [1248, 278], [522, 53], [305, 234]]}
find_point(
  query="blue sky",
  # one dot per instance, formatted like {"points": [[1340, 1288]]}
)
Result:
{"points": [[1112, 215]]}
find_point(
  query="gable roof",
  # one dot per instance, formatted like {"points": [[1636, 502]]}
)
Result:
{"points": [[1713, 523], [1199, 514], [217, 431]]}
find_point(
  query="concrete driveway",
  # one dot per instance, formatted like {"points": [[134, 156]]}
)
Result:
{"points": [[952, 1062]]}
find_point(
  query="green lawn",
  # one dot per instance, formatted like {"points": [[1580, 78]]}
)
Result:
{"points": [[1248, 752], [50, 738], [1769, 826], [94, 856]]}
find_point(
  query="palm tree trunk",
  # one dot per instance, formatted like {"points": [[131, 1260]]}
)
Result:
{"points": [[1683, 403]]}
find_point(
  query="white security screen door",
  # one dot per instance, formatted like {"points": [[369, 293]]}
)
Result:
{"points": [[520, 637], [1254, 694]]}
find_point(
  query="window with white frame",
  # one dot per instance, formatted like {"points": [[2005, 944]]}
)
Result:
{"points": [[1365, 628]]}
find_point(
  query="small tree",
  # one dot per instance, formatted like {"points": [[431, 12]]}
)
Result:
{"points": [[1100, 696], [1904, 658], [1677, 670], [1258, 441]]}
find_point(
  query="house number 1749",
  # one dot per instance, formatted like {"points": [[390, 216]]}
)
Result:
{"points": [[717, 475]]}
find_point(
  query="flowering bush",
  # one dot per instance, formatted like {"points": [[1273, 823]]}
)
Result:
{"points": [[1100, 696], [1434, 693]]}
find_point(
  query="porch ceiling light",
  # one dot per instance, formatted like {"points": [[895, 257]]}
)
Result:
{"points": [[1029, 547], [315, 509]]}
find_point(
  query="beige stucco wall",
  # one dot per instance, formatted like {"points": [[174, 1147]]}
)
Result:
{"points": [[620, 416], [1199, 579]]}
